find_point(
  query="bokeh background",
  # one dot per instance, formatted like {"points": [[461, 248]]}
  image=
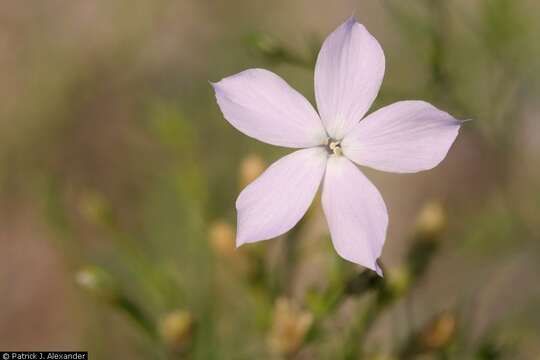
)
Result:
{"points": [[118, 177]]}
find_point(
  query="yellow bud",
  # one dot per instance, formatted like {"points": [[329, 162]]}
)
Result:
{"points": [[98, 283], [289, 327], [222, 238], [439, 332], [94, 208], [431, 220], [250, 168], [176, 328], [398, 281]]}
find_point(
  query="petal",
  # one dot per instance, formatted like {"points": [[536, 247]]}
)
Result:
{"points": [[262, 105], [407, 136], [355, 212], [348, 75], [277, 200]]}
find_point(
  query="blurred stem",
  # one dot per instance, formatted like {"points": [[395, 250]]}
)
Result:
{"points": [[503, 142], [335, 298], [159, 281], [301, 61], [360, 329], [441, 81], [57, 218], [440, 77], [406, 20], [355, 286], [290, 255], [137, 315], [277, 52]]}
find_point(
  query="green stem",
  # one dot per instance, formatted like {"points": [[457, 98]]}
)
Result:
{"points": [[335, 299], [290, 257], [360, 329], [137, 315]]}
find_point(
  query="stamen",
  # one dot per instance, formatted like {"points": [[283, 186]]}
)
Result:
{"points": [[334, 147]]}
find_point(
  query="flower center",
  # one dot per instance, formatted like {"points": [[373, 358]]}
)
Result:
{"points": [[334, 146]]}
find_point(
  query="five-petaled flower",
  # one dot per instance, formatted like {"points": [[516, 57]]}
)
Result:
{"points": [[405, 137]]}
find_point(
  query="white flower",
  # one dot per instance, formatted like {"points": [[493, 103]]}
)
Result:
{"points": [[404, 137]]}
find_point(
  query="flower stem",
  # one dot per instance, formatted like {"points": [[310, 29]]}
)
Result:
{"points": [[360, 329], [137, 315]]}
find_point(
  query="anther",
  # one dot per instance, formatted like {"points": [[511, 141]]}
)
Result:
{"points": [[335, 147]]}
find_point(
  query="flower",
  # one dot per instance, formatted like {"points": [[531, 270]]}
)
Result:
{"points": [[405, 137]]}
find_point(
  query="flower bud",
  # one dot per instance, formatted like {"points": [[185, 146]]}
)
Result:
{"points": [[176, 328], [430, 226], [398, 282], [431, 221], [436, 335], [289, 327], [222, 238], [250, 168], [439, 332], [94, 208], [98, 283], [267, 46]]}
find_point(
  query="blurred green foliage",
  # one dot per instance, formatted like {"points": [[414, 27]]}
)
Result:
{"points": [[124, 153]]}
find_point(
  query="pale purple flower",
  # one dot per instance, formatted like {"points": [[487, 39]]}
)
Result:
{"points": [[404, 137]]}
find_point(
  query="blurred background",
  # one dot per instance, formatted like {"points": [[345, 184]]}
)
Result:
{"points": [[118, 176]]}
